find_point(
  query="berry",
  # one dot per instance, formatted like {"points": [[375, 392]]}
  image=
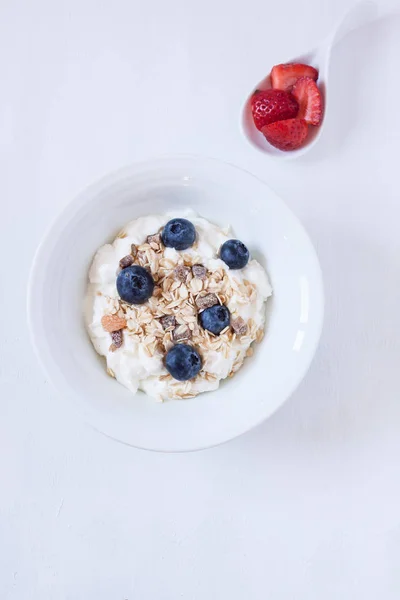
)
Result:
{"points": [[135, 285], [215, 318], [286, 135], [179, 234], [283, 77], [235, 254], [310, 100], [183, 362], [272, 105]]}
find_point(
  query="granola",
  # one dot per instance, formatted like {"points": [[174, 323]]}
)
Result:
{"points": [[154, 241], [113, 322], [199, 271], [127, 261], [182, 333], [181, 273], [186, 283], [206, 301], [239, 326], [168, 322], [117, 339]]}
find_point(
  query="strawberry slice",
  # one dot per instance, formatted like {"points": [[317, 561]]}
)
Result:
{"points": [[309, 98], [286, 135], [283, 77], [269, 106]]}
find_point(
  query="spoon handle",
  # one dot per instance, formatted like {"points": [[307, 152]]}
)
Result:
{"points": [[359, 14]]}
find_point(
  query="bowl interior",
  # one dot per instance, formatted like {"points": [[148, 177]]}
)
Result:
{"points": [[225, 195]]}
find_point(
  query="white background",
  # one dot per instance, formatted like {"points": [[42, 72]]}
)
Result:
{"points": [[308, 505]]}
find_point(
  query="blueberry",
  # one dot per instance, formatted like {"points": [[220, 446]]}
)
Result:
{"points": [[183, 362], [179, 234], [215, 318], [135, 285], [235, 254]]}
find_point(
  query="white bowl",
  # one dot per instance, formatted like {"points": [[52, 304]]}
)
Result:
{"points": [[226, 195]]}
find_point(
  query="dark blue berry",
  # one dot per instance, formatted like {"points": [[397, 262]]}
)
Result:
{"points": [[183, 362], [179, 234], [215, 318], [135, 285], [235, 254]]}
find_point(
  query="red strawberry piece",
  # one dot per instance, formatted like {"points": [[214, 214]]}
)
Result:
{"points": [[272, 105], [310, 100], [283, 77], [286, 135]]}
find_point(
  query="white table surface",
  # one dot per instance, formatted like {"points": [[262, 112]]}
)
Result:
{"points": [[308, 505]]}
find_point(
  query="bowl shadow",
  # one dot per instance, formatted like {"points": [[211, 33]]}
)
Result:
{"points": [[350, 394]]}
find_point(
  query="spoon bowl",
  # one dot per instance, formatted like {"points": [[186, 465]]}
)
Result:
{"points": [[319, 58]]}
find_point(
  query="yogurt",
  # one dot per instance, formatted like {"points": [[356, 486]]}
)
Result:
{"points": [[138, 363]]}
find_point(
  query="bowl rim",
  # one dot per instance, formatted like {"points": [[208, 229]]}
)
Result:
{"points": [[107, 180]]}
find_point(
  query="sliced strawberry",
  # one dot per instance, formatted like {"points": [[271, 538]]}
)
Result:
{"points": [[310, 100], [283, 77], [272, 105], [286, 135]]}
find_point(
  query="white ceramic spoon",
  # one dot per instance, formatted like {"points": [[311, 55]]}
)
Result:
{"points": [[359, 14]]}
